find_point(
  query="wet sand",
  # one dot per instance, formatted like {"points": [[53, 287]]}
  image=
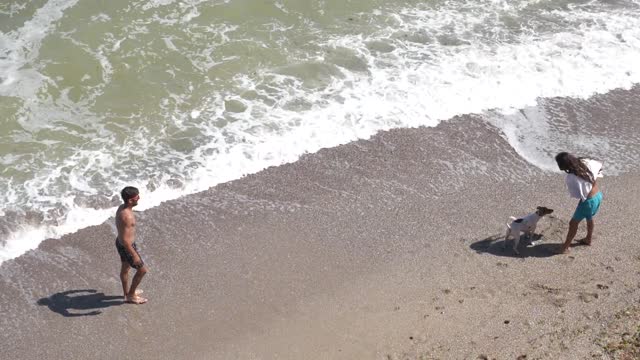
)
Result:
{"points": [[389, 248]]}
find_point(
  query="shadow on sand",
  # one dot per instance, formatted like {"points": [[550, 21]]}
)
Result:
{"points": [[84, 302], [495, 245]]}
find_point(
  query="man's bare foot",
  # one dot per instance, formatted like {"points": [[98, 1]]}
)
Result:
{"points": [[138, 300], [138, 292]]}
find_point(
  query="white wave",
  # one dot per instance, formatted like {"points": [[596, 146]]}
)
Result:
{"points": [[20, 47], [409, 89], [28, 237], [381, 80]]}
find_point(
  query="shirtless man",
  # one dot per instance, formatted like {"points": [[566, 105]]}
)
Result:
{"points": [[126, 246]]}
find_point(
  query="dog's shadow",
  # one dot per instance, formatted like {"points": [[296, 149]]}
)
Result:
{"points": [[548, 242], [495, 245]]}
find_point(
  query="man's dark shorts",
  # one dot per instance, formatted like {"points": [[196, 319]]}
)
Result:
{"points": [[126, 257]]}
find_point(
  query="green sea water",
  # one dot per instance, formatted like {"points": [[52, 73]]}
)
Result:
{"points": [[177, 96]]}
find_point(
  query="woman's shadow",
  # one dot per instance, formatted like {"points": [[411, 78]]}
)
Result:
{"points": [[62, 302]]}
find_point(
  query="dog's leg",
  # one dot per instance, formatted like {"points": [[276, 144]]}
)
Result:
{"points": [[527, 235], [532, 233], [506, 237], [516, 241]]}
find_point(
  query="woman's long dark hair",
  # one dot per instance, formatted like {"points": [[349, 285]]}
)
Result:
{"points": [[573, 165]]}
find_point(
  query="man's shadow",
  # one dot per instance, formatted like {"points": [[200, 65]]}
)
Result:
{"points": [[495, 245], [62, 302]]}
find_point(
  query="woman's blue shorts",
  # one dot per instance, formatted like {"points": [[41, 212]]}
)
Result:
{"points": [[589, 208]]}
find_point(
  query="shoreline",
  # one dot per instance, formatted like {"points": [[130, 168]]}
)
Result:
{"points": [[373, 249]]}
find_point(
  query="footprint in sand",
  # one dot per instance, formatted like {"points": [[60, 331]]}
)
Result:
{"points": [[420, 338], [588, 297], [555, 296], [559, 302], [553, 230]]}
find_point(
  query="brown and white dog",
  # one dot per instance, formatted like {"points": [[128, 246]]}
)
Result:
{"points": [[525, 225]]}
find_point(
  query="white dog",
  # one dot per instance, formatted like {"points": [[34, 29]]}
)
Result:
{"points": [[526, 225]]}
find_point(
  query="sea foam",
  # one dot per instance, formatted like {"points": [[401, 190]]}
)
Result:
{"points": [[416, 67]]}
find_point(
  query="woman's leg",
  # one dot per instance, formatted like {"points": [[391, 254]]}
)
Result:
{"points": [[595, 206], [573, 229], [590, 225]]}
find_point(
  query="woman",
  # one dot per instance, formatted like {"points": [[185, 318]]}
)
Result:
{"points": [[581, 183]]}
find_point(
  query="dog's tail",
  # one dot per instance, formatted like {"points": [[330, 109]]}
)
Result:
{"points": [[511, 218]]}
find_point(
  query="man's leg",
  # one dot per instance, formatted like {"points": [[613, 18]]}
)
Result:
{"points": [[137, 278], [573, 229], [124, 278]]}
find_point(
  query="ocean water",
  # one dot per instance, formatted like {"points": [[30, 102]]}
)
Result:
{"points": [[176, 96]]}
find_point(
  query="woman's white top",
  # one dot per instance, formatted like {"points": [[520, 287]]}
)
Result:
{"points": [[580, 188]]}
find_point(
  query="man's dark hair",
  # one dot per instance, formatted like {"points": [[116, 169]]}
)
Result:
{"points": [[128, 193]]}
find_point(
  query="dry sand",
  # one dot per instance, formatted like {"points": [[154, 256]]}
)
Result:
{"points": [[389, 248]]}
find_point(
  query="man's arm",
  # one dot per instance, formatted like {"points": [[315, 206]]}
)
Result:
{"points": [[128, 236]]}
